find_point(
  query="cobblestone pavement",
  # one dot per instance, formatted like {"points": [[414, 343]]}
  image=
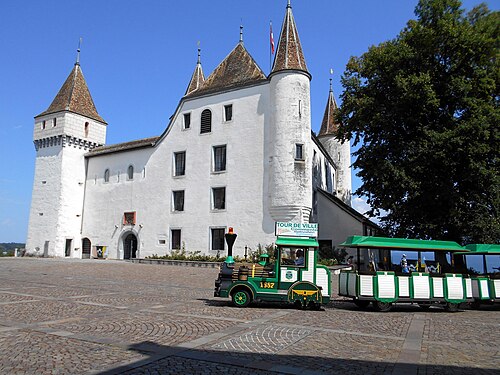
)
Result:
{"points": [[62, 316]]}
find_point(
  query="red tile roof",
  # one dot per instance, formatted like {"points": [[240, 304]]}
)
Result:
{"points": [[289, 55], [329, 126], [74, 96], [236, 70]]}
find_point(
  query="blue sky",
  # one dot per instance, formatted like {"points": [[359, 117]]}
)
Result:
{"points": [[138, 56]]}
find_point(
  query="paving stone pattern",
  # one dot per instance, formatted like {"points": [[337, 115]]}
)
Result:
{"points": [[64, 316]]}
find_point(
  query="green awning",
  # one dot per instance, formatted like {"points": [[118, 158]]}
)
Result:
{"points": [[297, 241], [486, 248], [401, 244]]}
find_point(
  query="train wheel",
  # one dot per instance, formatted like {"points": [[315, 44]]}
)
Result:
{"points": [[382, 306], [451, 307], [362, 304], [241, 298]]}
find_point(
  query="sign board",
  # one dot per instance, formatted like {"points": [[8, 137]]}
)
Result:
{"points": [[289, 229]]}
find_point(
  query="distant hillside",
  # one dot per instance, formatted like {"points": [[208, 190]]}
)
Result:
{"points": [[9, 247]]}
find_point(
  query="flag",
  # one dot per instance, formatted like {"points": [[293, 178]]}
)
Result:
{"points": [[271, 37]]}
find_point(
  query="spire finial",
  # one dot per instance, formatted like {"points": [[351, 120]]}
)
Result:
{"points": [[241, 33], [288, 5], [331, 74], [199, 53], [78, 52]]}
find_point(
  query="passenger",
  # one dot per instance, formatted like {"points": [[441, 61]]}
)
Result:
{"points": [[300, 258], [404, 264]]}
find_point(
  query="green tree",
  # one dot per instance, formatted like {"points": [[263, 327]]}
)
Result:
{"points": [[424, 109]]}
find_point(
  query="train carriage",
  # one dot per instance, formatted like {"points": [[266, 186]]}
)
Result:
{"points": [[483, 264], [376, 279]]}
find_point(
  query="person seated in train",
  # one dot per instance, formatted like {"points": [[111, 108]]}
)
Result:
{"points": [[299, 261]]}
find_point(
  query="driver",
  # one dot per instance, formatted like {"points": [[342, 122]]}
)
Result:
{"points": [[299, 261]]}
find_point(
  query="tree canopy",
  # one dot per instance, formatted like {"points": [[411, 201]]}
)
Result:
{"points": [[423, 109]]}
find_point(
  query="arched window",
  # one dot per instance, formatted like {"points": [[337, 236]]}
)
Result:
{"points": [[206, 121], [106, 175], [86, 129], [130, 172]]}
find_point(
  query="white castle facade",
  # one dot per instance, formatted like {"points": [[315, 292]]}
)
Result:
{"points": [[238, 151]]}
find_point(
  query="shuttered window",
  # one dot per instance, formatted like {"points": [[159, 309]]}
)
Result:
{"points": [[206, 121]]}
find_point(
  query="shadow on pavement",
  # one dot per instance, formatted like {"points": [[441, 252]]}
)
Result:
{"points": [[178, 360]]}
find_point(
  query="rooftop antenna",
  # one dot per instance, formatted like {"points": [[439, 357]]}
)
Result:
{"points": [[78, 52]]}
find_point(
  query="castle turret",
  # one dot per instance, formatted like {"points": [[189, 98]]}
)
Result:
{"points": [[339, 152], [197, 78], [290, 186], [63, 133]]}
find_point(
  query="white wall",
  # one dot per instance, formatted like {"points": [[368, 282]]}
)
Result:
{"points": [[150, 196], [290, 180]]}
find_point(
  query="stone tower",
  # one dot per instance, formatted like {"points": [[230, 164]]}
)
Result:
{"points": [[340, 152], [63, 133], [290, 187]]}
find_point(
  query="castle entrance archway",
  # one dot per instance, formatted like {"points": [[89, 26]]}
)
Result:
{"points": [[129, 246], [86, 246]]}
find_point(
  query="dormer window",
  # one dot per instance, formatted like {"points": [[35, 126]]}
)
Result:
{"points": [[206, 121]]}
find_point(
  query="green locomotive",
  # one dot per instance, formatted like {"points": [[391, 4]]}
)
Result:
{"points": [[295, 277]]}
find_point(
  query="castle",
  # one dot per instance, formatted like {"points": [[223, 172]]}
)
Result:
{"points": [[238, 151]]}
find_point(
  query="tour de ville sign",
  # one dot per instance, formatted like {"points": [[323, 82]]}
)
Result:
{"points": [[289, 229]]}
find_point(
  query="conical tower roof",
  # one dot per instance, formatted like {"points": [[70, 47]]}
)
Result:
{"points": [[289, 55], [236, 70], [329, 126], [74, 96], [197, 79]]}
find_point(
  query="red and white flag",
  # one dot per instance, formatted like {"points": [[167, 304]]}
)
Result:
{"points": [[271, 37]]}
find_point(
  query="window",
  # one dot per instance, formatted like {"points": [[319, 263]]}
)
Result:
{"points": [[292, 256], [299, 151], [54, 122], [217, 238], [43, 125], [175, 236], [178, 200], [106, 175], [219, 157], [219, 198], [130, 172], [129, 218], [187, 120], [206, 121], [228, 112], [180, 163]]}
